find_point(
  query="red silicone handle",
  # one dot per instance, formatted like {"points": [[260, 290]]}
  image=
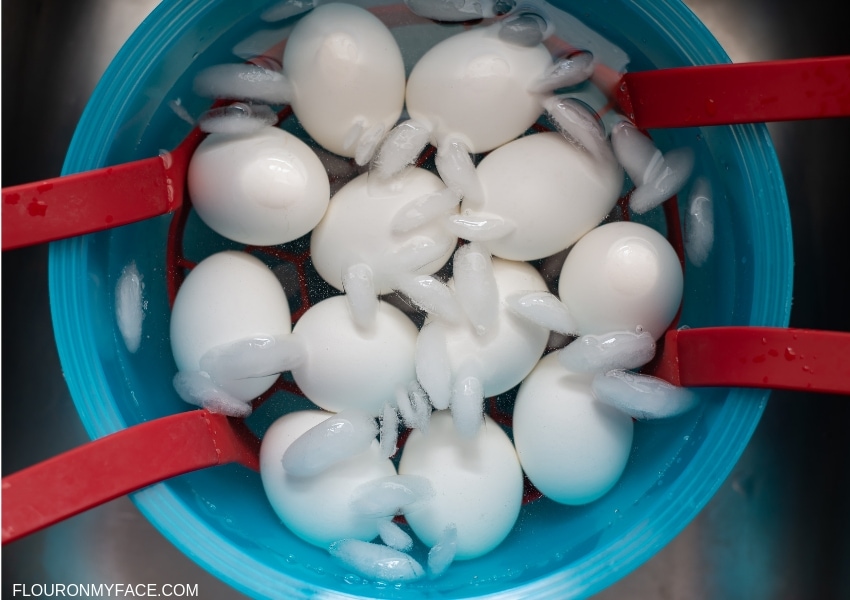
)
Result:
{"points": [[62, 207], [120, 463], [756, 92], [760, 357]]}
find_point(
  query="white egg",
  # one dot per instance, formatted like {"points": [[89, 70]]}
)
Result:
{"points": [[347, 72], [227, 297], [348, 366], [477, 484], [572, 447], [621, 276], [475, 87], [552, 191], [262, 188], [506, 353], [357, 228], [318, 508]]}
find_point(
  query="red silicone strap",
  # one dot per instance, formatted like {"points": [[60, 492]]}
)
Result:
{"points": [[120, 463], [761, 357], [754, 92]]}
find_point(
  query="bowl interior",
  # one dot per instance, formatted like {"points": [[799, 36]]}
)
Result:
{"points": [[220, 517]]}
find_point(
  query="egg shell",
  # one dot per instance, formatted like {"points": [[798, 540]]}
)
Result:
{"points": [[477, 484], [509, 350], [572, 447], [474, 86], [348, 366], [263, 188], [357, 227], [553, 191], [346, 67], [317, 508], [621, 276], [228, 296]]}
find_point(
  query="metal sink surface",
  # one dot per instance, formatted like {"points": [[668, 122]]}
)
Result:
{"points": [[778, 527]]}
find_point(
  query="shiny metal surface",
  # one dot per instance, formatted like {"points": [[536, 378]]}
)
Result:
{"points": [[778, 528]]}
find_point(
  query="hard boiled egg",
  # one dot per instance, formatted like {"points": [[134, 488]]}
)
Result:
{"points": [[263, 188], [572, 447], [477, 484], [347, 73], [227, 297], [317, 508], [620, 277], [349, 366], [551, 191]]}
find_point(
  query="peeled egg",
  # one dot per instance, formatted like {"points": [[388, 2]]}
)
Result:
{"points": [[227, 297], [551, 190], [357, 228], [263, 188], [572, 447], [511, 347], [318, 508], [347, 72], [477, 484], [349, 366], [475, 87], [622, 276]]}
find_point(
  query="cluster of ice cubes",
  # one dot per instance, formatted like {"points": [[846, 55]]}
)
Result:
{"points": [[487, 324]]}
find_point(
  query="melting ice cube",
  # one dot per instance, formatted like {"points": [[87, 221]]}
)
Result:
{"points": [[642, 396], [376, 561], [129, 306], [349, 432], [699, 222], [602, 353]]}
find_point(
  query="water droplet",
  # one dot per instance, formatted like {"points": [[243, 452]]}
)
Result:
{"points": [[790, 354]]}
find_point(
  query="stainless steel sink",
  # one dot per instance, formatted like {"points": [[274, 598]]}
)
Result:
{"points": [[778, 527]]}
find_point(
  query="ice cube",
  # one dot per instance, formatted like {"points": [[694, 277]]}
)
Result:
{"points": [[349, 432], [479, 227], [400, 148], [431, 295], [475, 286], [467, 403], [196, 387], [376, 561], [424, 209], [358, 283], [129, 306], [451, 10], [258, 356], [414, 408], [601, 353], [567, 72], [433, 368], [544, 309], [699, 222], [656, 176], [244, 82], [442, 554], [394, 536], [285, 9], [389, 431], [455, 166], [389, 496], [580, 126], [237, 118], [642, 396]]}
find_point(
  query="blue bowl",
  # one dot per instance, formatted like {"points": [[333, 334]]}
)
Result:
{"points": [[220, 517]]}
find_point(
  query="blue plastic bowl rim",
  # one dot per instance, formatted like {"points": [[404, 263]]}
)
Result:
{"points": [[178, 523]]}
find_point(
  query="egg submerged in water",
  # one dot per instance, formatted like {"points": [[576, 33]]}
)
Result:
{"points": [[348, 78], [262, 188], [318, 508], [477, 484], [572, 447], [227, 297]]}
